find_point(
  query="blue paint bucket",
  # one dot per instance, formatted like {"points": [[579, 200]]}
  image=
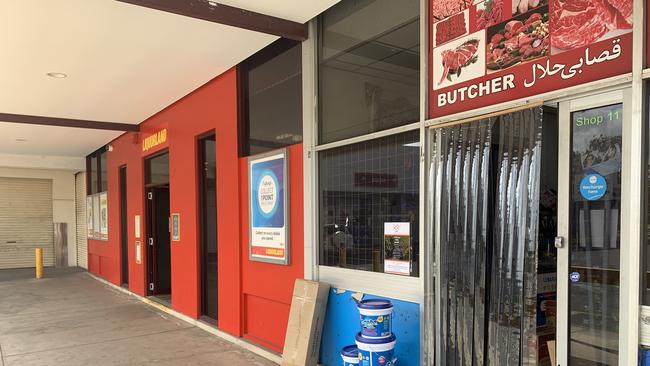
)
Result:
{"points": [[376, 318], [376, 352], [645, 357], [350, 355]]}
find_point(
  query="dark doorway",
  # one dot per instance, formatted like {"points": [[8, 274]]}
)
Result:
{"points": [[208, 210], [157, 220], [124, 239]]}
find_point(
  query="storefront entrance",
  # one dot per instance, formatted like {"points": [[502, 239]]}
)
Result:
{"points": [[518, 201], [158, 225]]}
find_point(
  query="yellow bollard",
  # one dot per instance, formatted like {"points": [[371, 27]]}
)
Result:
{"points": [[39, 263]]}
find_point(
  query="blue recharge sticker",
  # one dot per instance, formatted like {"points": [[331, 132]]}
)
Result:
{"points": [[593, 187]]}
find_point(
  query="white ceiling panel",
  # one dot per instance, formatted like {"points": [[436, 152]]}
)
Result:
{"points": [[51, 140], [124, 63]]}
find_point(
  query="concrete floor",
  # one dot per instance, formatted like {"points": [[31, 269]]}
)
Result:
{"points": [[69, 318]]}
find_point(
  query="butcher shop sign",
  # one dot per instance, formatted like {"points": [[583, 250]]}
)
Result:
{"points": [[492, 51]]}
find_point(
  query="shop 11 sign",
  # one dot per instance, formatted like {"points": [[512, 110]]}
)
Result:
{"points": [[267, 177], [493, 51]]}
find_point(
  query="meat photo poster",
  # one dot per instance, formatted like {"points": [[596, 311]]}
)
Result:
{"points": [[485, 52]]}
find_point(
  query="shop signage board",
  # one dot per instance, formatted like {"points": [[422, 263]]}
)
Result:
{"points": [[138, 252], [397, 248], [487, 52], [137, 226], [267, 197], [176, 227], [154, 140]]}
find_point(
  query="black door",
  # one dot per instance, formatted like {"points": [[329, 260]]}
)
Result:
{"points": [[158, 241], [124, 239], [208, 206]]}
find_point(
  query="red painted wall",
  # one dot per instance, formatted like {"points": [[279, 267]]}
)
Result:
{"points": [[254, 298], [267, 288]]}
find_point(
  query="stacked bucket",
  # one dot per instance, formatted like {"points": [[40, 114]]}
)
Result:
{"points": [[375, 343]]}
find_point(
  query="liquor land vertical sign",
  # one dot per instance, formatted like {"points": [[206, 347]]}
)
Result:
{"points": [[268, 219], [485, 52]]}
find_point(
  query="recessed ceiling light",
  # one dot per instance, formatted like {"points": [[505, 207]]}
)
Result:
{"points": [[21, 140], [57, 75]]}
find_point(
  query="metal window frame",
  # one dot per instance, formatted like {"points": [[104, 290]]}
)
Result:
{"points": [[397, 287]]}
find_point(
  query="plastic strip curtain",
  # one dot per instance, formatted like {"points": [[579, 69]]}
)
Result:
{"points": [[460, 164], [513, 284], [487, 194]]}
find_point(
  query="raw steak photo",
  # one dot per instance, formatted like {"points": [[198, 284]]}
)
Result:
{"points": [[454, 60], [579, 23]]}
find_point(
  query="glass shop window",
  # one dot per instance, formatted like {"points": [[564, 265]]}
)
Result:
{"points": [[271, 97], [157, 170], [369, 205], [97, 177], [369, 67]]}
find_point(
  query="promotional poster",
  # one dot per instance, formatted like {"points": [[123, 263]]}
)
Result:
{"points": [[493, 51], [268, 208]]}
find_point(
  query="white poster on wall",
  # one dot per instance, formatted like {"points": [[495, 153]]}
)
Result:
{"points": [[103, 216], [89, 217], [96, 233]]}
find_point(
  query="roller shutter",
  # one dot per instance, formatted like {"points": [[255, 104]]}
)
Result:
{"points": [[25, 221], [80, 208]]}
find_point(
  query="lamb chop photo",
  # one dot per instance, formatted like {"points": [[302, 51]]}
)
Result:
{"points": [[454, 60]]}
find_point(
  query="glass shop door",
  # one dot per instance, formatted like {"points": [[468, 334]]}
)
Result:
{"points": [[588, 241]]}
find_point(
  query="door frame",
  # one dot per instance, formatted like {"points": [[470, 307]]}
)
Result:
{"points": [[566, 107], [152, 273], [150, 265], [124, 232], [202, 214]]}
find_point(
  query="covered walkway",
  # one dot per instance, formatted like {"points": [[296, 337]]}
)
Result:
{"points": [[69, 318]]}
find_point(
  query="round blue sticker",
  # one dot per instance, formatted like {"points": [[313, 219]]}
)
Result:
{"points": [[574, 276], [593, 187]]}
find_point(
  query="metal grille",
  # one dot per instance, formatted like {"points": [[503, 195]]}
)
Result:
{"points": [[25, 222]]}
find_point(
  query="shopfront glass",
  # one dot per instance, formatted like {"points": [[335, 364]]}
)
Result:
{"points": [[364, 187], [594, 267], [369, 67]]}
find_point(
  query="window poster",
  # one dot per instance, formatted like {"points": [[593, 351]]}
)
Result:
{"points": [[89, 217], [103, 216], [397, 248], [96, 223], [485, 52], [268, 219]]}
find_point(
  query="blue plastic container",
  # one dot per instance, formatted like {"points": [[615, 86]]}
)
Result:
{"points": [[645, 357], [350, 355], [376, 352], [376, 318]]}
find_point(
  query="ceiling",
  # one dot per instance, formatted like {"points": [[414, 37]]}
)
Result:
{"points": [[124, 64]]}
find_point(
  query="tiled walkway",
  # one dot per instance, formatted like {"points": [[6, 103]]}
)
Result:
{"points": [[69, 318]]}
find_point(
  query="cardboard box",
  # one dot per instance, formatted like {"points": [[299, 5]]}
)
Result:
{"points": [[302, 341]]}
